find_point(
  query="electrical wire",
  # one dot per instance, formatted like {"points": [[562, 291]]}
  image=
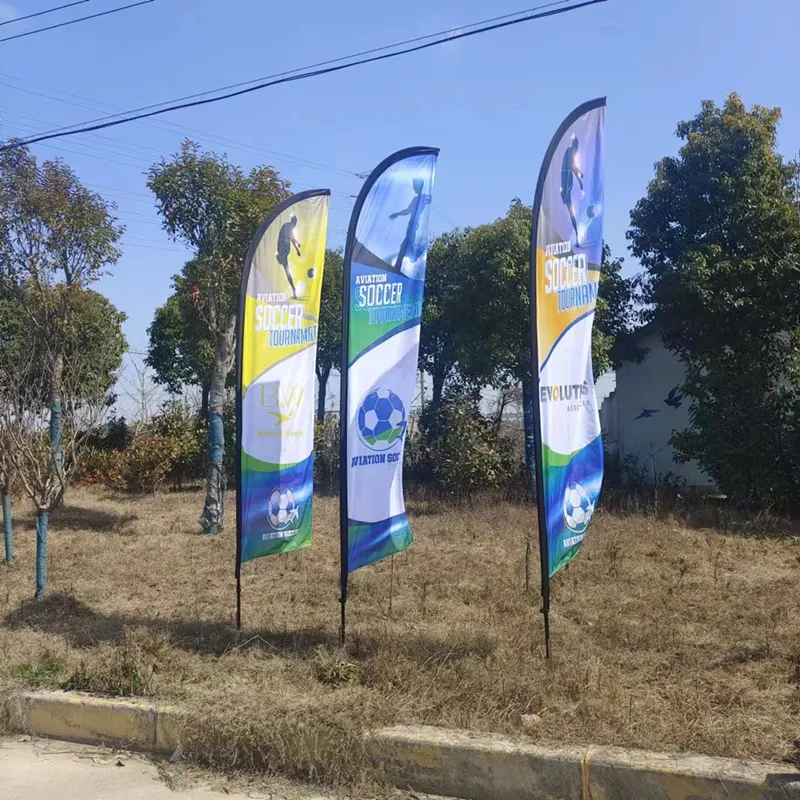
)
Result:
{"points": [[74, 21], [363, 53], [46, 11], [150, 152], [178, 105], [167, 126]]}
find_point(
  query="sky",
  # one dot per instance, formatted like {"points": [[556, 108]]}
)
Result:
{"points": [[490, 102]]}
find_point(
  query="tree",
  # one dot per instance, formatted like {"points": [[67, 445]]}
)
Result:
{"points": [[476, 328], [215, 208], [89, 348], [492, 334], [56, 238], [615, 317], [11, 354], [718, 234], [329, 342], [181, 349], [441, 315]]}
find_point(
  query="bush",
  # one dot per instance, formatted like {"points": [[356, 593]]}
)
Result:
{"points": [[326, 454], [187, 434], [114, 435], [168, 450], [464, 452], [146, 466]]}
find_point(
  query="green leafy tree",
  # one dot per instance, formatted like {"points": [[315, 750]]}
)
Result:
{"points": [[181, 349], [56, 239], [442, 316], [718, 234], [492, 330], [214, 208], [616, 316], [476, 329], [329, 344]]}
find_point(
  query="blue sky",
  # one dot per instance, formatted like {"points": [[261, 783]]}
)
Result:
{"points": [[491, 103]]}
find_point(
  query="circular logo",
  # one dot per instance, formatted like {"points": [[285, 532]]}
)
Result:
{"points": [[282, 510], [311, 272], [381, 419], [578, 507]]}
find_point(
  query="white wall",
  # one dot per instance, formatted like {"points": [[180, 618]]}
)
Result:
{"points": [[637, 419]]}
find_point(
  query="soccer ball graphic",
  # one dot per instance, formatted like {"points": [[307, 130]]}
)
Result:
{"points": [[590, 226], [578, 507], [381, 419], [282, 509]]}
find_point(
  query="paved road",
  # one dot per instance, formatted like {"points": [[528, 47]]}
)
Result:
{"points": [[47, 770]]}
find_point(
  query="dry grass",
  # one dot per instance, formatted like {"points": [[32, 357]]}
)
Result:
{"points": [[664, 637]]}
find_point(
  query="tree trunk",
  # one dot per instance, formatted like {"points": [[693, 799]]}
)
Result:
{"points": [[214, 509], [56, 420], [8, 526], [41, 552], [323, 388], [56, 476], [204, 401], [438, 390]]}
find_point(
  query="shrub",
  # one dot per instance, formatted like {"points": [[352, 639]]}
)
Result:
{"points": [[186, 433], [116, 434], [144, 467], [464, 452], [326, 454]]}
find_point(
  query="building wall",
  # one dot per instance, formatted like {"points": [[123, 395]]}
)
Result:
{"points": [[638, 419]]}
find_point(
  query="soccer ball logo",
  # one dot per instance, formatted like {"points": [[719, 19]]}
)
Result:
{"points": [[282, 509], [578, 507], [381, 419]]}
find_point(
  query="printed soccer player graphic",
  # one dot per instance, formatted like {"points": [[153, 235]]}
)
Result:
{"points": [[569, 171], [286, 239], [414, 211]]}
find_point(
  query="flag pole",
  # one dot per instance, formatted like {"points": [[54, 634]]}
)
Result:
{"points": [[239, 422], [344, 541]]}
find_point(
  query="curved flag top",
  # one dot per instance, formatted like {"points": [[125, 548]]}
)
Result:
{"points": [[567, 251], [387, 247], [276, 354]]}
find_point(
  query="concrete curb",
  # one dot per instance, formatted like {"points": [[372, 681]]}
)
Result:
{"points": [[75, 717], [487, 767], [442, 762]]}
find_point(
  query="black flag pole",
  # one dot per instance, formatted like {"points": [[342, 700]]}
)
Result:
{"points": [[541, 505], [344, 542]]}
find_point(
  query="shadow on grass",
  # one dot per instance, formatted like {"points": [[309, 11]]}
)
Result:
{"points": [[61, 613], [74, 518]]}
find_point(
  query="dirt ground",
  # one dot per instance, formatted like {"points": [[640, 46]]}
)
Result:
{"points": [[665, 636]]}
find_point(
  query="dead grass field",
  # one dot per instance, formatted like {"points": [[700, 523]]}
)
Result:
{"points": [[664, 636]]}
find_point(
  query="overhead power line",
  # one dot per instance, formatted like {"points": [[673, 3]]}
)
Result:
{"points": [[166, 126], [172, 127], [46, 11], [74, 21], [382, 49], [455, 34]]}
